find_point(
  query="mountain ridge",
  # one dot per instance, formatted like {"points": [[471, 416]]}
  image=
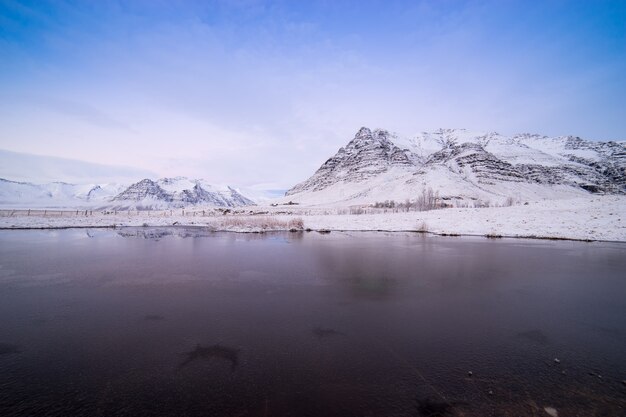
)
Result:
{"points": [[465, 165], [164, 193], [179, 192]]}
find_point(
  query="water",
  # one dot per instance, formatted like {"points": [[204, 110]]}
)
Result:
{"points": [[182, 322]]}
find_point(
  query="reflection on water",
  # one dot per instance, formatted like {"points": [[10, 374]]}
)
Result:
{"points": [[216, 351], [175, 321], [155, 233], [321, 332]]}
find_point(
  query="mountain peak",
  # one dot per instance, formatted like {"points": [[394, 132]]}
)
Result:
{"points": [[366, 137], [370, 153], [363, 133]]}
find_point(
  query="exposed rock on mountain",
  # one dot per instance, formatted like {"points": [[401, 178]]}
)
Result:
{"points": [[473, 157], [144, 189], [377, 165], [367, 155]]}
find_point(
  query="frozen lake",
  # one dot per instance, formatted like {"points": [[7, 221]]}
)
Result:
{"points": [[176, 321]]}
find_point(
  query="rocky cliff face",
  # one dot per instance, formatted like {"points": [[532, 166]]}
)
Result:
{"points": [[473, 157], [370, 153], [469, 164]]}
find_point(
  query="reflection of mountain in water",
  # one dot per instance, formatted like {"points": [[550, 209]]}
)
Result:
{"points": [[366, 279], [158, 233], [145, 234], [199, 232], [369, 286]]}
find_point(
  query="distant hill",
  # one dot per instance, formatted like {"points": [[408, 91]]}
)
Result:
{"points": [[178, 192], [146, 194]]}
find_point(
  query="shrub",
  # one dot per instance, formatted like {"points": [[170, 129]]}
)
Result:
{"points": [[264, 223], [296, 224], [422, 227], [509, 202]]}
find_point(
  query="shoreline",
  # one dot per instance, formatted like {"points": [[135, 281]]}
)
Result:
{"points": [[319, 231], [596, 218]]}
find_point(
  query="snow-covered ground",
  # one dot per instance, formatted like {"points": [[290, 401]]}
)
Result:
{"points": [[588, 218]]}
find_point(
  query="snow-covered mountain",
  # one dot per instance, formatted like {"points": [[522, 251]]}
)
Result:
{"points": [[464, 166], [164, 193], [55, 194], [178, 192]]}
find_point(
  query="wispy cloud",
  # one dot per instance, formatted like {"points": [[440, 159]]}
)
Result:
{"points": [[79, 112]]}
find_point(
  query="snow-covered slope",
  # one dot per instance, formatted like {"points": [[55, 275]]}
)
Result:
{"points": [[146, 194], [464, 167], [55, 194], [178, 192]]}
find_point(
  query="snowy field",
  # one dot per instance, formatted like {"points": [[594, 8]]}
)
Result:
{"points": [[591, 218]]}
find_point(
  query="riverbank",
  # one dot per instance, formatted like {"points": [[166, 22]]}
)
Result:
{"points": [[594, 218]]}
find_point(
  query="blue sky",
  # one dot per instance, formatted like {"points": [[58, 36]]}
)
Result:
{"points": [[258, 93]]}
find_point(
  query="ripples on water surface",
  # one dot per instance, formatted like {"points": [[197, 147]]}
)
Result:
{"points": [[180, 322]]}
